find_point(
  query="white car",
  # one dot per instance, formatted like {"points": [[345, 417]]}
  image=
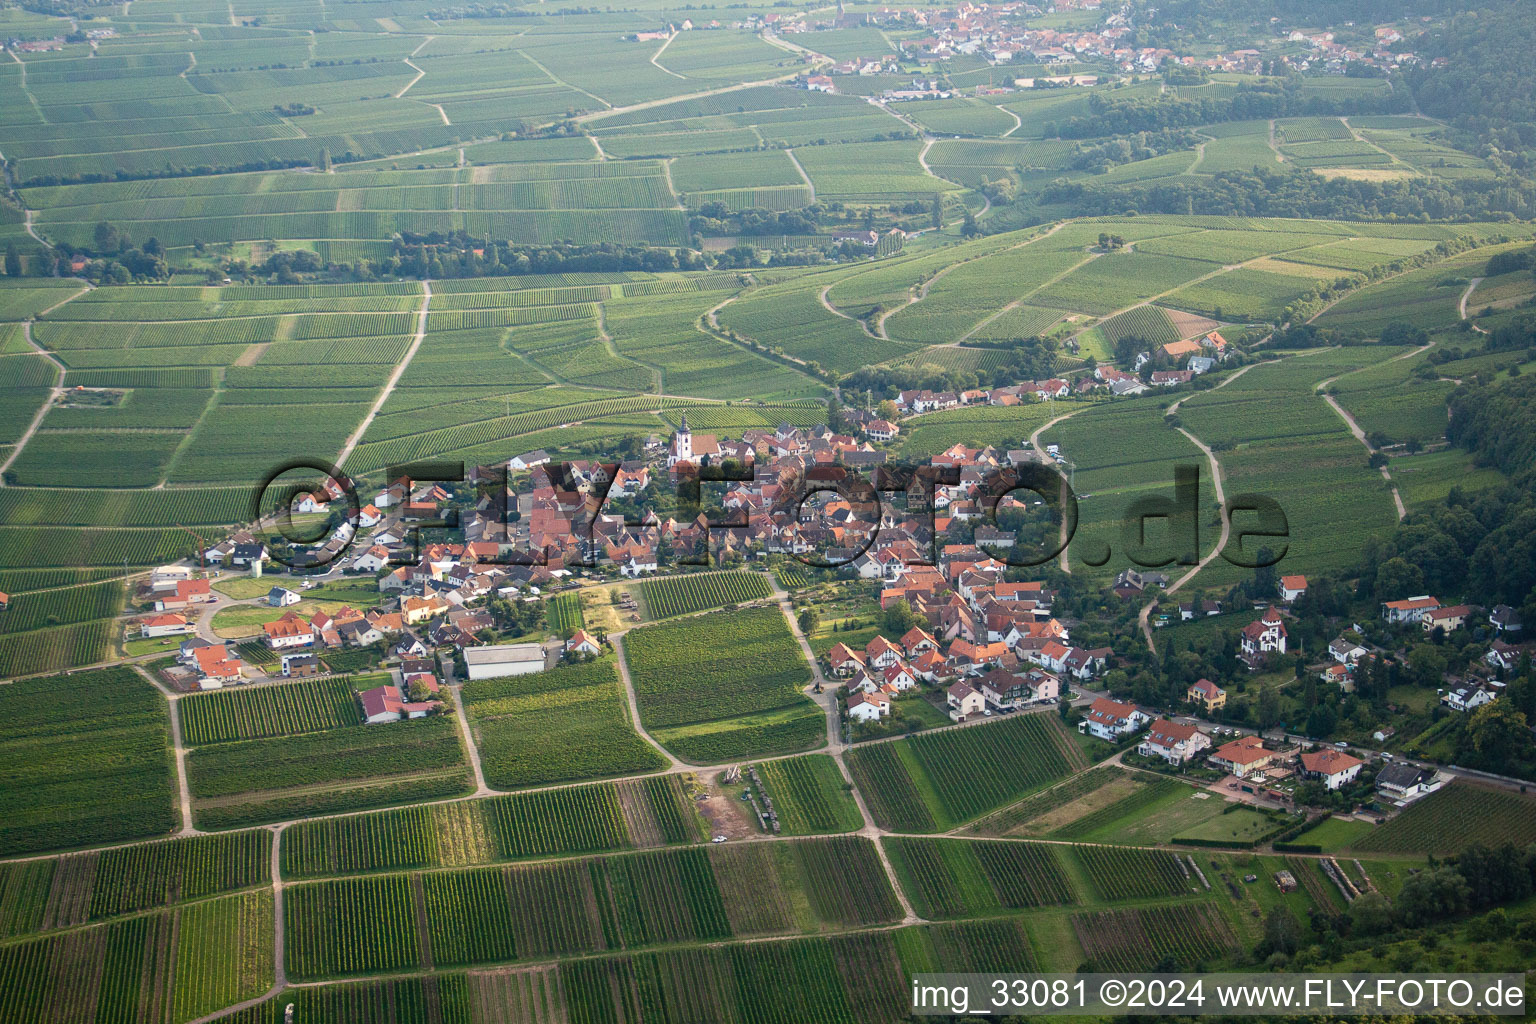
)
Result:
{"points": [[718, 839]]}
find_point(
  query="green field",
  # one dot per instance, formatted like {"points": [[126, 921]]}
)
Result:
{"points": [[724, 687]]}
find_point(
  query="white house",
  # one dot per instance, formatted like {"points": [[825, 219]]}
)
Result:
{"points": [[169, 624], [1406, 781], [503, 660], [1292, 587], [1334, 768], [1467, 697], [1346, 651], [289, 631], [1412, 609], [964, 701], [581, 643], [1173, 742], [868, 707], [282, 597], [1111, 720]]}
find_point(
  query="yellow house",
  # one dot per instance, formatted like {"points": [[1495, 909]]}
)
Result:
{"points": [[1206, 693]]}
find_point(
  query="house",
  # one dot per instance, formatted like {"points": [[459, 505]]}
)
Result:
{"points": [[1262, 638], [282, 597], [1177, 350], [964, 701], [503, 660], [1173, 742], [897, 677], [1111, 720], [1447, 619], [388, 704], [1412, 609], [215, 666], [188, 592], [581, 643], [1292, 587], [1503, 656], [1404, 781], [5, 601], [881, 653], [1334, 768], [409, 646], [916, 641], [372, 560], [369, 516], [1503, 618], [299, 665], [844, 661], [1341, 676], [245, 555], [169, 624], [1243, 756], [1207, 694], [527, 460], [1468, 696], [868, 707], [1006, 689], [292, 630], [881, 430], [820, 83], [1346, 651]]}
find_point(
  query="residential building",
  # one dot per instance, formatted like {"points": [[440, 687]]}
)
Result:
{"points": [[292, 630], [1505, 619], [282, 597], [1404, 781], [1468, 696], [1243, 756], [300, 665], [1447, 619], [868, 707], [1173, 742], [1292, 587], [1207, 694], [388, 704], [964, 701], [169, 624], [1411, 609], [1111, 720], [1334, 768], [581, 643]]}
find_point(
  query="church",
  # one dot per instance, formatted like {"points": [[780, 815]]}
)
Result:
{"points": [[690, 448]]}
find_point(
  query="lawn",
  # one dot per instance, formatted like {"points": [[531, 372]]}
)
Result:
{"points": [[1236, 827], [1335, 834]]}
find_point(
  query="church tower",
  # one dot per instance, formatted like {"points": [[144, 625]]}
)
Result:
{"points": [[682, 445]]}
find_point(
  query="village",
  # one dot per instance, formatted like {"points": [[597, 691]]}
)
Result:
{"points": [[977, 640]]}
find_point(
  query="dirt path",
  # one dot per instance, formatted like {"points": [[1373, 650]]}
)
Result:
{"points": [[1034, 442], [467, 735], [1020, 300], [805, 177], [1465, 298], [617, 639], [1018, 122], [37, 421], [656, 57], [394, 378], [666, 173], [1355, 429], [420, 74], [826, 303], [180, 750], [828, 697]]}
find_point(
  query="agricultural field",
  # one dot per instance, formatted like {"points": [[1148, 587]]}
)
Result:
{"points": [[532, 912], [950, 878], [1176, 938], [915, 784], [569, 723], [249, 782], [189, 961], [634, 814], [810, 795], [224, 716], [1457, 816], [668, 596], [87, 761], [725, 686]]}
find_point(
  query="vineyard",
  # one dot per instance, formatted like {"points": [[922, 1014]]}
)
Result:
{"points": [[1179, 938], [222, 716], [253, 781], [948, 878], [935, 781], [64, 892], [187, 961], [1458, 816], [88, 759], [563, 612], [1149, 323], [810, 795], [573, 820], [724, 686], [678, 595], [48, 608], [536, 911], [1125, 873], [1016, 819], [571, 722]]}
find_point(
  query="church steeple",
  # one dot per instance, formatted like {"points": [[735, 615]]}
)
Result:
{"points": [[684, 428]]}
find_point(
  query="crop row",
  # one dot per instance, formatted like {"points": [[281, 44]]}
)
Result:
{"points": [[245, 714], [678, 595], [1178, 938], [949, 878], [1124, 873], [48, 608]]}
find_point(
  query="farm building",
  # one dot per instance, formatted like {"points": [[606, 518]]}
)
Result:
{"points": [[387, 704], [504, 660]]}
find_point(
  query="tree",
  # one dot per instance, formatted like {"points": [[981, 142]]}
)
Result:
{"points": [[12, 261], [1269, 708], [1398, 578], [887, 410], [1431, 896], [1370, 914], [1282, 934], [936, 212], [1498, 733], [808, 620], [899, 618]]}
